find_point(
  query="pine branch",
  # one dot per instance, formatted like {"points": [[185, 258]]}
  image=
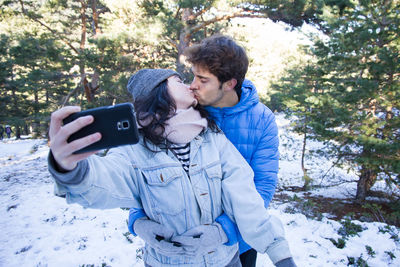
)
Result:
{"points": [[338, 183], [83, 27], [177, 12], [71, 93], [172, 42], [201, 12], [25, 12], [78, 86], [326, 173], [225, 17]]}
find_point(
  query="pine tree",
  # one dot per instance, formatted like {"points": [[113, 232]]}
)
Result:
{"points": [[188, 21], [356, 107], [296, 92]]}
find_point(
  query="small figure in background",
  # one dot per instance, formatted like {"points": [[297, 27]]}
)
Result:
{"points": [[1, 132], [8, 131]]}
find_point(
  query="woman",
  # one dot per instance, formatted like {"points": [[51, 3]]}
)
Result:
{"points": [[178, 191]]}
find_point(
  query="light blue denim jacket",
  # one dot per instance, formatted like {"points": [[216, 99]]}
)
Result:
{"points": [[219, 180]]}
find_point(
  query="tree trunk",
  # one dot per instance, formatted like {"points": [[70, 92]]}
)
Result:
{"points": [[35, 128], [96, 28], [307, 179], [95, 81], [85, 83], [47, 97], [14, 96], [366, 181], [26, 129], [184, 39], [17, 132], [180, 67], [36, 124], [46, 126]]}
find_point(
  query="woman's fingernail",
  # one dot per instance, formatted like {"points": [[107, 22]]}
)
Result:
{"points": [[89, 118]]}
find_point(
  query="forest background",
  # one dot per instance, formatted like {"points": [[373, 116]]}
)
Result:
{"points": [[338, 84]]}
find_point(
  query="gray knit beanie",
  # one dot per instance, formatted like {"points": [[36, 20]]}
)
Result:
{"points": [[144, 81]]}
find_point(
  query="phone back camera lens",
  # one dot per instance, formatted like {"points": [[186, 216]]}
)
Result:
{"points": [[125, 124]]}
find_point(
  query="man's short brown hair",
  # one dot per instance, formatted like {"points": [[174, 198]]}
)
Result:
{"points": [[222, 57]]}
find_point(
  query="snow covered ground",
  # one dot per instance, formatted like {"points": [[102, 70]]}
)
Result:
{"points": [[39, 229]]}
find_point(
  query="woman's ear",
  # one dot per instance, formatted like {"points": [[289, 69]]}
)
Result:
{"points": [[229, 85]]}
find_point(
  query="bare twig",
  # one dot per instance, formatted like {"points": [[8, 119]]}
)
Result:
{"points": [[339, 183], [172, 42], [177, 12], [326, 173], [71, 93]]}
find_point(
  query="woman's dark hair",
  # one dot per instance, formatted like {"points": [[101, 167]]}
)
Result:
{"points": [[154, 109]]}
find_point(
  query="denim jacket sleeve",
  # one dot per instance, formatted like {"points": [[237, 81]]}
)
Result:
{"points": [[265, 165], [259, 229], [100, 182]]}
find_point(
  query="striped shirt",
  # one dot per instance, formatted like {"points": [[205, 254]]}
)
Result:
{"points": [[182, 152]]}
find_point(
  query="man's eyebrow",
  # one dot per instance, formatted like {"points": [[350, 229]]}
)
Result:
{"points": [[201, 77]]}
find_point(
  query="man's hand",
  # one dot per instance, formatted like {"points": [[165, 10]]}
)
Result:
{"points": [[157, 236], [202, 239], [59, 133]]}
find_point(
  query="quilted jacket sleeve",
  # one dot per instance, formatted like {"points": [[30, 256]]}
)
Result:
{"points": [[265, 160], [262, 231], [134, 214]]}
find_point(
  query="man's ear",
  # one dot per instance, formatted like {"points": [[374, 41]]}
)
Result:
{"points": [[230, 85]]}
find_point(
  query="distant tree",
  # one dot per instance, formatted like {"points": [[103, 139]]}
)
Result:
{"points": [[292, 12], [106, 39], [87, 27], [115, 59], [188, 21], [356, 109], [32, 75], [70, 22], [11, 101], [296, 92], [60, 52]]}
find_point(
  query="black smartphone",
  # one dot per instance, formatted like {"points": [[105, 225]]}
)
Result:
{"points": [[117, 125]]}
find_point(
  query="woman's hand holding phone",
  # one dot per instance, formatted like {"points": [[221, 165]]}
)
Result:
{"points": [[63, 152]]}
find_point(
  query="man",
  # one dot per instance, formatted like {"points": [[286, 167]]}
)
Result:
{"points": [[219, 66]]}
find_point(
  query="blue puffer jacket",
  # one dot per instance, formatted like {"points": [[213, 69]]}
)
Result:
{"points": [[252, 129]]}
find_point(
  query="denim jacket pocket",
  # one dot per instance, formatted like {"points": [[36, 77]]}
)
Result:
{"points": [[213, 173], [165, 190]]}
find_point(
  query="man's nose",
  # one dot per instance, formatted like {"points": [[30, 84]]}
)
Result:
{"points": [[193, 86]]}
